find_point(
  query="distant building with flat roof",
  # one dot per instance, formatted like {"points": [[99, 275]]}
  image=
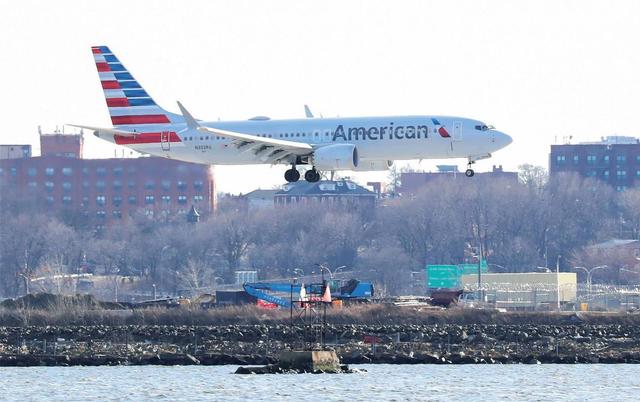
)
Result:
{"points": [[413, 182], [105, 190], [11, 151], [614, 160]]}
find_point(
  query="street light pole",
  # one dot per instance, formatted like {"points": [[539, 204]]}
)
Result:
{"points": [[480, 273]]}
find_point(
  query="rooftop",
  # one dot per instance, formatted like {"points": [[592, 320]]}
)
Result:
{"points": [[324, 187]]}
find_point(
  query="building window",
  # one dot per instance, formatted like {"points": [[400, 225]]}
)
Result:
{"points": [[149, 199], [198, 184], [66, 200], [166, 199], [117, 200], [66, 185], [149, 212], [100, 184], [591, 173], [149, 184], [117, 171], [182, 185], [576, 159], [32, 172], [606, 173], [117, 214], [621, 174], [85, 201], [591, 159], [131, 184], [48, 185], [101, 214], [85, 171], [605, 158], [182, 199], [85, 184], [560, 159], [14, 171], [166, 184], [101, 200], [33, 184], [101, 171], [131, 169], [49, 200], [621, 188], [197, 198], [67, 171], [133, 200], [621, 158], [49, 171], [638, 173], [117, 185]]}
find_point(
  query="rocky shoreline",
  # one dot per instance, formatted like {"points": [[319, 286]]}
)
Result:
{"points": [[261, 344]]}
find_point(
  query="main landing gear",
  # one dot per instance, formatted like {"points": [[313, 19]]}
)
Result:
{"points": [[292, 175], [312, 175]]}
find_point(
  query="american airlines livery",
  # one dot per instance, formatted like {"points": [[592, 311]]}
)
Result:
{"points": [[324, 144]]}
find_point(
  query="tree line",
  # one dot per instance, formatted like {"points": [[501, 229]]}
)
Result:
{"points": [[518, 226]]}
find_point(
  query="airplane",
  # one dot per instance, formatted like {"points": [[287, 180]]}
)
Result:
{"points": [[323, 144]]}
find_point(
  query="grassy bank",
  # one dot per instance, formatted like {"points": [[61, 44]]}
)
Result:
{"points": [[76, 314]]}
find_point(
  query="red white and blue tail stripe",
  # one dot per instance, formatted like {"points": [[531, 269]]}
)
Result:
{"points": [[130, 106]]}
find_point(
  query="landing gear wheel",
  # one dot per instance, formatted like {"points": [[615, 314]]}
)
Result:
{"points": [[312, 176], [292, 175], [469, 173]]}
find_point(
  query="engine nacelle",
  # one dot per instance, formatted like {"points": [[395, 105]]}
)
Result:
{"points": [[336, 157], [370, 165]]}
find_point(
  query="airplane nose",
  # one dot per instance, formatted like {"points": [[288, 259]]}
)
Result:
{"points": [[502, 139]]}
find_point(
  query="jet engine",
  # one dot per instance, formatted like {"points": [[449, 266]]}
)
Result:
{"points": [[336, 157], [370, 165]]}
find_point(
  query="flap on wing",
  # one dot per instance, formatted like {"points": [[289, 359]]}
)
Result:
{"points": [[300, 147], [106, 130]]}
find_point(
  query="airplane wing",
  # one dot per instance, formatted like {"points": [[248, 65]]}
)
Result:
{"points": [[106, 130], [270, 149]]}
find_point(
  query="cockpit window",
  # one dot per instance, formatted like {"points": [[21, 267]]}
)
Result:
{"points": [[484, 127]]}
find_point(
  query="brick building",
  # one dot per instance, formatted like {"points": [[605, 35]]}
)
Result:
{"points": [[413, 182], [614, 160], [105, 190]]}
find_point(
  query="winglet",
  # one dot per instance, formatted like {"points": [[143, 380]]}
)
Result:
{"points": [[191, 122], [307, 112]]}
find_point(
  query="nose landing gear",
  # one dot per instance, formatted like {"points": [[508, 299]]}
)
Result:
{"points": [[469, 172]]}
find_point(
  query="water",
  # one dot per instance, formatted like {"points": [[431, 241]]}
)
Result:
{"points": [[381, 382]]}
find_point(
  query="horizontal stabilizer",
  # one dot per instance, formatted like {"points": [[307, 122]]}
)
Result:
{"points": [[106, 130]]}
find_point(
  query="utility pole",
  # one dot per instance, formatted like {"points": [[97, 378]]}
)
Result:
{"points": [[558, 280]]}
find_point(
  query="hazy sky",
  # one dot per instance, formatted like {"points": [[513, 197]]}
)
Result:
{"points": [[537, 70]]}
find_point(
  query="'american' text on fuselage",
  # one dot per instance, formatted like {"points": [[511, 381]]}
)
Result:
{"points": [[379, 133]]}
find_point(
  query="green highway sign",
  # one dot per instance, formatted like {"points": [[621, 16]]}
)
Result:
{"points": [[448, 276]]}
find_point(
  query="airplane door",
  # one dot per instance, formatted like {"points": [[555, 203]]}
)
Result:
{"points": [[457, 131], [165, 142]]}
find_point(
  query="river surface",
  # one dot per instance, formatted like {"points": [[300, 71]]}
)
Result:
{"points": [[380, 382]]}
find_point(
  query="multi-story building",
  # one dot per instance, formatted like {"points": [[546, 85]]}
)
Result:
{"points": [[413, 182], [104, 190], [614, 160]]}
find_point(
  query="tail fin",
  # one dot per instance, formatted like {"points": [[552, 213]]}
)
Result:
{"points": [[130, 107]]}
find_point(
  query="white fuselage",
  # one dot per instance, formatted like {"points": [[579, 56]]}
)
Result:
{"points": [[376, 138]]}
